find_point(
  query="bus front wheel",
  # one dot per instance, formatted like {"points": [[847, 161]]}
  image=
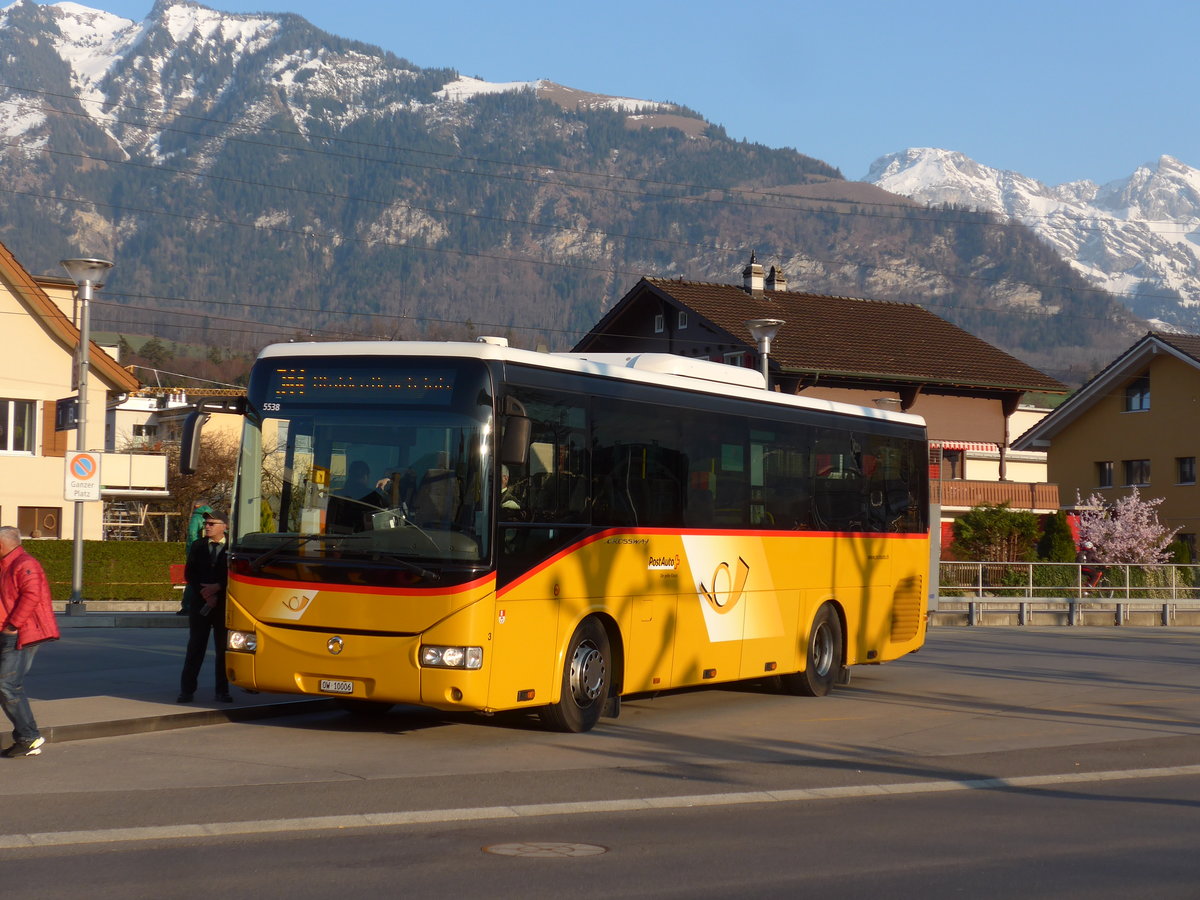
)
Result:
{"points": [[587, 674], [823, 659]]}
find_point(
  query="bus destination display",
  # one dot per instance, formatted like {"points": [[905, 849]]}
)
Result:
{"points": [[328, 384]]}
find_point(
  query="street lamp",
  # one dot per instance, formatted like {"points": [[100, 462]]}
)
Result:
{"points": [[763, 332], [88, 274]]}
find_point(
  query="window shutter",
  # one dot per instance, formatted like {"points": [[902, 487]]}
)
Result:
{"points": [[54, 443]]}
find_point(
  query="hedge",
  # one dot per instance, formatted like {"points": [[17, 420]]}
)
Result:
{"points": [[112, 570]]}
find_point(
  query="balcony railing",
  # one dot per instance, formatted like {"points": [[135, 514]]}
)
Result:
{"points": [[133, 475], [1017, 494]]}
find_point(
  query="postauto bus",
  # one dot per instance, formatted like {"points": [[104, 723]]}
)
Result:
{"points": [[468, 526]]}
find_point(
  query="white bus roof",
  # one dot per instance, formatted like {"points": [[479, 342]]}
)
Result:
{"points": [[663, 369]]}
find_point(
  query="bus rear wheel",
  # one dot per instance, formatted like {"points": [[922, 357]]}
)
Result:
{"points": [[823, 659], [586, 677]]}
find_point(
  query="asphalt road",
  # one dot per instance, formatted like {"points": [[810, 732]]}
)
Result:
{"points": [[994, 763]]}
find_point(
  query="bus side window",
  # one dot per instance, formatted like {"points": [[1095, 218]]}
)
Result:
{"points": [[665, 478], [552, 485], [732, 494], [839, 499], [558, 492], [700, 511]]}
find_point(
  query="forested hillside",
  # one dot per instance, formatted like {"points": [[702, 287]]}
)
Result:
{"points": [[300, 184]]}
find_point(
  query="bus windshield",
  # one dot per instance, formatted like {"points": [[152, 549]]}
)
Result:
{"points": [[365, 471]]}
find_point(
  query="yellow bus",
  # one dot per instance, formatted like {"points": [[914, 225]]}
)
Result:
{"points": [[469, 526]]}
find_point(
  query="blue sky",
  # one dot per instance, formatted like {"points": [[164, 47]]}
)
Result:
{"points": [[1058, 90]]}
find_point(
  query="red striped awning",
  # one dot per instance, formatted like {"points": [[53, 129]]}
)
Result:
{"points": [[982, 446]]}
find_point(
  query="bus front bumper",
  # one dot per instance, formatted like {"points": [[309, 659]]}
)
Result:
{"points": [[376, 668]]}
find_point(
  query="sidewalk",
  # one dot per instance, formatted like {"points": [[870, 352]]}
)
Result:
{"points": [[123, 677], [117, 672]]}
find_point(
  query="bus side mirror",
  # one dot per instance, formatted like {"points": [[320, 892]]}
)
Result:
{"points": [[514, 442], [189, 443]]}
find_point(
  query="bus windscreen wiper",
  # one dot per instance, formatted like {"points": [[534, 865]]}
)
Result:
{"points": [[395, 556], [294, 542]]}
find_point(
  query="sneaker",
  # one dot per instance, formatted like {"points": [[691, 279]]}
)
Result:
{"points": [[224, 697], [185, 697], [24, 748]]}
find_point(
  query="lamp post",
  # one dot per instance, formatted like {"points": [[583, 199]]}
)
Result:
{"points": [[763, 331], [88, 274]]}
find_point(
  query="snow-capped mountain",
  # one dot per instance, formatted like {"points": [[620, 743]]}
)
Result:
{"points": [[214, 122], [185, 60], [251, 167], [1138, 237]]}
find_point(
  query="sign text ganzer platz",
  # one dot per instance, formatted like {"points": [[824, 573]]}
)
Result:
{"points": [[82, 477]]}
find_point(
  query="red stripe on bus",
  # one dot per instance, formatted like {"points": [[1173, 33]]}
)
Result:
{"points": [[394, 592], [710, 532]]}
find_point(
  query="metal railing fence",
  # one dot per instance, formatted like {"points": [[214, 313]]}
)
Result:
{"points": [[1063, 593], [1067, 581]]}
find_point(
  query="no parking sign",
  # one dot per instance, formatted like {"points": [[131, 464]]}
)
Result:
{"points": [[83, 477]]}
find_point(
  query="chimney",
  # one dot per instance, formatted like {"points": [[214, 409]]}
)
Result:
{"points": [[776, 280], [752, 276]]}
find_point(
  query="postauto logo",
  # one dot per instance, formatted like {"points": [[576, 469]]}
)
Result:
{"points": [[726, 588], [732, 606]]}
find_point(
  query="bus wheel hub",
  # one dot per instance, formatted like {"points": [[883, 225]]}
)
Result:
{"points": [[587, 673]]}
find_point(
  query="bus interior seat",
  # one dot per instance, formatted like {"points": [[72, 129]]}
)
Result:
{"points": [[559, 495], [838, 503], [613, 503], [345, 516], [896, 500], [437, 499]]}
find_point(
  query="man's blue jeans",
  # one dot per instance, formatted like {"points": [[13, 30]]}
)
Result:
{"points": [[14, 664]]}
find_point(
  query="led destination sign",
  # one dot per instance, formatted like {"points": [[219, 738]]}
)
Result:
{"points": [[357, 384]]}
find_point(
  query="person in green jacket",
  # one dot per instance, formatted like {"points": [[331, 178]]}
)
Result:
{"points": [[196, 524], [195, 531]]}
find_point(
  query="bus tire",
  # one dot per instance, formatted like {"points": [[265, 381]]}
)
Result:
{"points": [[823, 658], [586, 678]]}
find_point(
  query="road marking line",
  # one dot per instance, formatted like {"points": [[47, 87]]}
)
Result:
{"points": [[533, 810]]}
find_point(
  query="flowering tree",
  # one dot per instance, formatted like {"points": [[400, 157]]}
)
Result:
{"points": [[1128, 531]]}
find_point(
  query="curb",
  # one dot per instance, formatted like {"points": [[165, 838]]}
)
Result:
{"points": [[121, 620], [57, 734]]}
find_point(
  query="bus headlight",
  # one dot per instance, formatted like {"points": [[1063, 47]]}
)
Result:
{"points": [[241, 641], [437, 657]]}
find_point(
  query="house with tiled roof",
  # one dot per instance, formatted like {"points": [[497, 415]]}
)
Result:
{"points": [[38, 346], [867, 352], [1135, 424]]}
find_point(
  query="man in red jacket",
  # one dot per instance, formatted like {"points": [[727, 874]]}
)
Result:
{"points": [[26, 621]]}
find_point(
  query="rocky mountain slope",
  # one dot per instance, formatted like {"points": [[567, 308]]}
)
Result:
{"points": [[254, 177], [1138, 237]]}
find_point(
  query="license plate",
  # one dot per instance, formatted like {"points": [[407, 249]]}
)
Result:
{"points": [[329, 686]]}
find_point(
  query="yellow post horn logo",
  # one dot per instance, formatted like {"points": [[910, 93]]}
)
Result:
{"points": [[724, 600]]}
